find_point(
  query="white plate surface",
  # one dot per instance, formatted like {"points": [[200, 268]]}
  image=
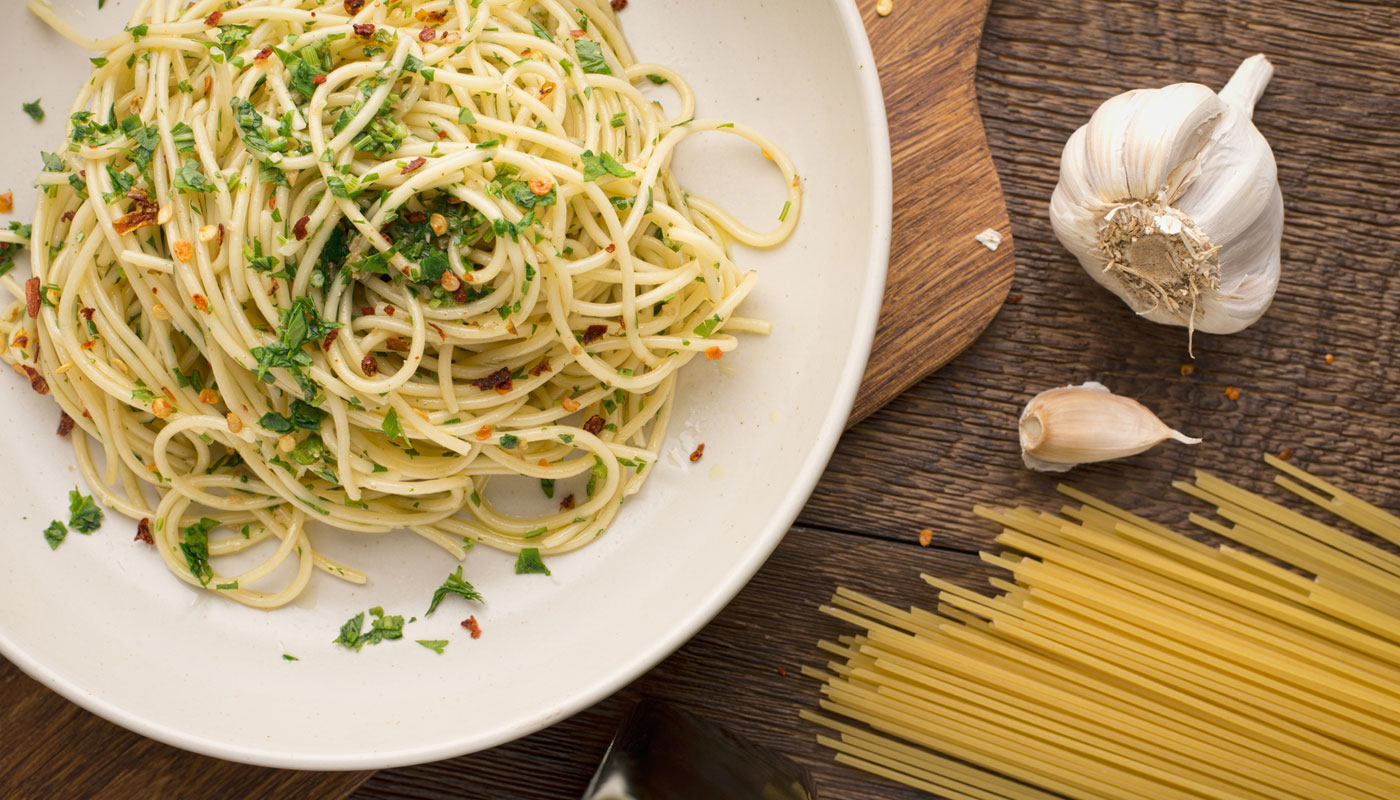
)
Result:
{"points": [[102, 622]]}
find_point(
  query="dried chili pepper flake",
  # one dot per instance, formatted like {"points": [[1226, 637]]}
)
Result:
{"points": [[540, 187], [369, 365], [618, 5], [416, 163], [354, 6], [65, 423], [611, 248], [363, 29], [263, 55], [67, 216], [1232, 393], [500, 377], [213, 19], [595, 424], [388, 309], [366, 311], [135, 220], [570, 404], [1285, 454], [143, 529], [925, 537], [439, 330], [1014, 299], [299, 229], [470, 624], [183, 250], [318, 80], [576, 33], [200, 302], [699, 452], [567, 504], [540, 368], [546, 89], [593, 333], [31, 297], [423, 15], [460, 296], [483, 433], [397, 344], [782, 670], [713, 353], [427, 35], [7, 202], [1328, 358], [1187, 369], [36, 381]]}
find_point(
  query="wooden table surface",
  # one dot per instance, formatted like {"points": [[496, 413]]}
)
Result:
{"points": [[1333, 117]]}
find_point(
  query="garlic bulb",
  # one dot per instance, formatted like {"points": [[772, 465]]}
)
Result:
{"points": [[1061, 428], [1169, 198]]}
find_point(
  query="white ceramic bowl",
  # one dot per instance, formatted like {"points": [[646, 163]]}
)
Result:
{"points": [[100, 620]]}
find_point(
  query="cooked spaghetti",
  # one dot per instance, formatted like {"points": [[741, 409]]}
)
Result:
{"points": [[347, 261], [1128, 662]]}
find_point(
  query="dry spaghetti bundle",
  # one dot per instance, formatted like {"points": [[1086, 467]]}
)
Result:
{"points": [[1124, 660]]}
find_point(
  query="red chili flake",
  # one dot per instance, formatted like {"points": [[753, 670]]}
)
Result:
{"points": [[540, 187], [495, 380], [576, 33], [330, 339], [31, 297], [540, 368], [595, 424], [65, 423], [397, 344], [442, 134], [782, 670], [460, 296], [143, 531], [1014, 299], [67, 216], [36, 381], [483, 433], [1328, 358], [1285, 454], [87, 313], [354, 6], [272, 201], [369, 366], [388, 309], [201, 302], [1232, 393], [318, 79], [925, 537], [208, 83], [7, 202], [213, 19], [470, 624], [713, 353], [699, 452], [415, 217], [263, 55], [416, 163], [299, 229], [140, 218], [567, 504], [366, 311], [427, 35], [439, 330], [364, 30], [618, 5], [612, 248], [1187, 369], [593, 333]]}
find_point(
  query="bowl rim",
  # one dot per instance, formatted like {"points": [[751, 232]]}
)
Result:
{"points": [[823, 446]]}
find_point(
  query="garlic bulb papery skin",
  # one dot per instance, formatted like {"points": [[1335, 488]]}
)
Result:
{"points": [[1169, 198], [1062, 428]]}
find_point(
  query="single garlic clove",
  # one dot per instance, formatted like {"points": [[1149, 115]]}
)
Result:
{"points": [[1061, 428], [1169, 198]]}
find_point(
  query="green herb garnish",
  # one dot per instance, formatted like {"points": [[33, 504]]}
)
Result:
{"points": [[454, 584]]}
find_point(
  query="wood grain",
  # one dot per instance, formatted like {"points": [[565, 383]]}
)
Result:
{"points": [[943, 286], [54, 750]]}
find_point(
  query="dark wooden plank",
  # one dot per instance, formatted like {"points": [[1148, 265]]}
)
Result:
{"points": [[943, 286], [55, 750], [732, 671]]}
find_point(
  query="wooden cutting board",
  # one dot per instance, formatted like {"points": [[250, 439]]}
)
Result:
{"points": [[943, 289]]}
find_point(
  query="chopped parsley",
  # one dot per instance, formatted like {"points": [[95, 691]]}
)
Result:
{"points": [[595, 167], [34, 111], [704, 329], [509, 441], [530, 563], [590, 57], [656, 79], [301, 325], [382, 628], [190, 177], [454, 584], [83, 513], [392, 428], [196, 549], [289, 657], [435, 645], [55, 534], [547, 486]]}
